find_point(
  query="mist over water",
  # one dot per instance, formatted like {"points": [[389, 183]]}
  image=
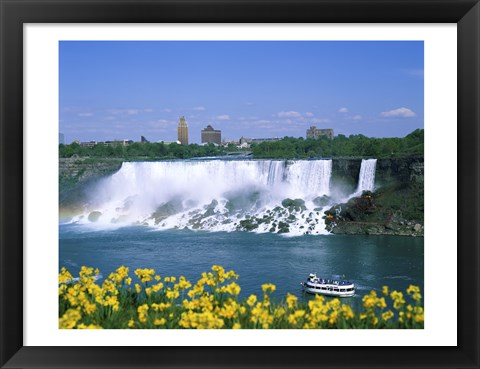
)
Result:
{"points": [[216, 195]]}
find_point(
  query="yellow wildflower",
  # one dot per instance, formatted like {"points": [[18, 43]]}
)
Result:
{"points": [[161, 321], [142, 313], [252, 300], [387, 315], [268, 287], [183, 283], [417, 296], [291, 301], [90, 326], [232, 289], [64, 276], [69, 319], [172, 294], [413, 289], [333, 317], [145, 275], [347, 312]]}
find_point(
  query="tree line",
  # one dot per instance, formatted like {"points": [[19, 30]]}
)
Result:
{"points": [[342, 146], [144, 150], [286, 148]]}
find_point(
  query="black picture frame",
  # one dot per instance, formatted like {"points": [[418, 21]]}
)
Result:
{"points": [[15, 13]]}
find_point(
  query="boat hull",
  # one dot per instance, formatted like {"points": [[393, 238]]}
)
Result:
{"points": [[329, 290]]}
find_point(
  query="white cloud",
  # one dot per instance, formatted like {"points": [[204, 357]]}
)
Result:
{"points": [[343, 110], [309, 114], [357, 117], [131, 111], [289, 114], [223, 117], [319, 120], [199, 108], [85, 114], [400, 112]]}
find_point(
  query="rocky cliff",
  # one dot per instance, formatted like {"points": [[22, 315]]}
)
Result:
{"points": [[76, 175], [395, 207]]}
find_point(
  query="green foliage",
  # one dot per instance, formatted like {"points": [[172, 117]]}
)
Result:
{"points": [[144, 151], [342, 146]]}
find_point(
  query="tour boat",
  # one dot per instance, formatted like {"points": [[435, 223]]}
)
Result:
{"points": [[328, 287]]}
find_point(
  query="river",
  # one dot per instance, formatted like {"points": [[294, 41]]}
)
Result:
{"points": [[369, 261]]}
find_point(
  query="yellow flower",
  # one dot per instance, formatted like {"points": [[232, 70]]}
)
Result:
{"points": [[237, 326], [387, 315], [142, 313], [369, 301], [381, 303], [231, 275], [90, 326], [138, 289], [291, 301], [161, 321], [131, 323], [268, 287], [64, 276], [232, 289], [252, 300], [333, 317], [172, 294], [385, 290], [417, 296], [295, 316], [69, 319], [413, 289], [419, 318], [145, 275], [183, 283], [398, 300], [347, 312], [161, 306]]}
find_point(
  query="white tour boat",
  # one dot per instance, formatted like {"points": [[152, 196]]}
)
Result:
{"points": [[328, 287]]}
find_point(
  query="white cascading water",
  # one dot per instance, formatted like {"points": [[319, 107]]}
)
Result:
{"points": [[210, 194], [366, 178]]}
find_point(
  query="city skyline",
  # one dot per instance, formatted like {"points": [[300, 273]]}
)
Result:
{"points": [[123, 90]]}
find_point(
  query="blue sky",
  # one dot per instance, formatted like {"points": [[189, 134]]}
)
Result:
{"points": [[123, 90]]}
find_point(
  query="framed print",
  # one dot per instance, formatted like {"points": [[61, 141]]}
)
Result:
{"points": [[223, 138]]}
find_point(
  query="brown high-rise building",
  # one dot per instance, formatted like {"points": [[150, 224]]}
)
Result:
{"points": [[316, 133], [211, 135], [183, 131]]}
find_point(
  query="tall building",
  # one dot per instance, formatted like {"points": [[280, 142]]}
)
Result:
{"points": [[211, 135], [61, 138], [183, 131], [316, 133]]}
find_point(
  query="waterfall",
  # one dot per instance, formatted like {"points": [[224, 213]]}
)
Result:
{"points": [[366, 179], [209, 194]]}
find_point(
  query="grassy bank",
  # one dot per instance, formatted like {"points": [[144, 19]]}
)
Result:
{"points": [[212, 302]]}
